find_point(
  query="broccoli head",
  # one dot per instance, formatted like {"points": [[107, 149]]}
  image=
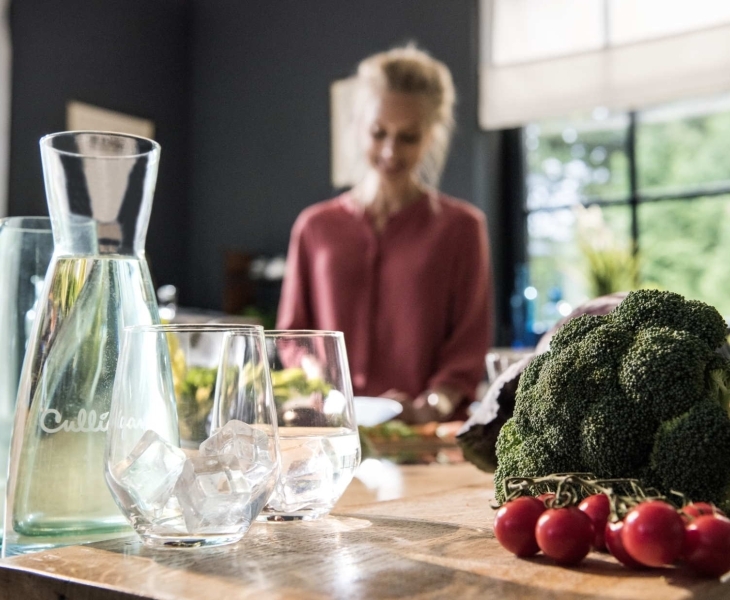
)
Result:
{"points": [[639, 392]]}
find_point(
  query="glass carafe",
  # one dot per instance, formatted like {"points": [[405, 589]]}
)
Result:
{"points": [[26, 246], [99, 188]]}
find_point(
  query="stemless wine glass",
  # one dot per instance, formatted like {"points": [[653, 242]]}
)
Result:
{"points": [[318, 438], [192, 450]]}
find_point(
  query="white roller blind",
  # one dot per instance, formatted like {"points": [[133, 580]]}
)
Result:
{"points": [[547, 58]]}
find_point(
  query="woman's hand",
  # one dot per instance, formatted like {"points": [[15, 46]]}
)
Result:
{"points": [[437, 404], [406, 402], [409, 414]]}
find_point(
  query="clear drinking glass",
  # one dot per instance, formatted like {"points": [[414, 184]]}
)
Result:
{"points": [[318, 437], [192, 451], [99, 188], [26, 246]]}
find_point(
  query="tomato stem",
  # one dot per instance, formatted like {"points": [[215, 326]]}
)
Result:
{"points": [[570, 488]]}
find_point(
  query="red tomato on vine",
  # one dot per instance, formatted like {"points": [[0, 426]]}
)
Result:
{"points": [[598, 508], [564, 534], [653, 533], [514, 525], [707, 545], [615, 545], [697, 509]]}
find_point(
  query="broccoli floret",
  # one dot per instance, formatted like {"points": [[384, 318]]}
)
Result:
{"points": [[637, 393], [665, 369], [600, 352], [529, 456], [530, 375], [654, 308], [614, 442], [705, 322], [690, 454], [513, 459], [553, 398], [575, 330]]}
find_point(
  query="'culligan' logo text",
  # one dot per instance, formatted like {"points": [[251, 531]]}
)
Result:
{"points": [[86, 422], [132, 423]]}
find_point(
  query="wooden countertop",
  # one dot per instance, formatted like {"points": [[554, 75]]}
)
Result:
{"points": [[434, 541]]}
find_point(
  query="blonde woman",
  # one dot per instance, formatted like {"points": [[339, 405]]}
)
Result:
{"points": [[402, 269]]}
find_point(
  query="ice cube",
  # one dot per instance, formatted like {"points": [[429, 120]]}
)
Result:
{"points": [[169, 520], [150, 472], [309, 472], [220, 494], [247, 443]]}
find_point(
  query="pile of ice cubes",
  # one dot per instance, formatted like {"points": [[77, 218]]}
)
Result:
{"points": [[219, 491]]}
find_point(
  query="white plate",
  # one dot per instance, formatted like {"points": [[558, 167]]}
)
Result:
{"points": [[374, 411]]}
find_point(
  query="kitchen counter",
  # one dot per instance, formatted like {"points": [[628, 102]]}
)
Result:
{"points": [[430, 536]]}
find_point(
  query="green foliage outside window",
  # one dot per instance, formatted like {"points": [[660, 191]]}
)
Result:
{"points": [[683, 244]]}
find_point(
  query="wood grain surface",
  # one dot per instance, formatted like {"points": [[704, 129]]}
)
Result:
{"points": [[435, 542]]}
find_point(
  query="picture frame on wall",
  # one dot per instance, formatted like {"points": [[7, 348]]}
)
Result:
{"points": [[344, 155], [81, 116]]}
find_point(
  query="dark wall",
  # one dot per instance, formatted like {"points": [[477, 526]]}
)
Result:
{"points": [[239, 94], [260, 112], [130, 56]]}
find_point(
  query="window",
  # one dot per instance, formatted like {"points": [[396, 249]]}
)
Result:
{"points": [[617, 200]]}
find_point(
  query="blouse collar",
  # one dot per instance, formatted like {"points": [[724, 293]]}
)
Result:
{"points": [[429, 200]]}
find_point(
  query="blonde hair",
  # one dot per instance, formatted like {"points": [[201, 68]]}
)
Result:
{"points": [[412, 71]]}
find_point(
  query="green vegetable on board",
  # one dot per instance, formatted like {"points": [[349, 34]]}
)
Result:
{"points": [[194, 402], [293, 382]]}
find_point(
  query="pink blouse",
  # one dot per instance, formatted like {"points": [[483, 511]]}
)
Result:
{"points": [[414, 301]]}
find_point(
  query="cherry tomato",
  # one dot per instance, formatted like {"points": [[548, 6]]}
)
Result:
{"points": [[697, 509], [546, 497], [598, 508], [653, 533], [514, 525], [564, 534], [707, 545], [615, 545]]}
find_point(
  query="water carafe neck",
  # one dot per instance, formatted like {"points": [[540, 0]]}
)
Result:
{"points": [[99, 188]]}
